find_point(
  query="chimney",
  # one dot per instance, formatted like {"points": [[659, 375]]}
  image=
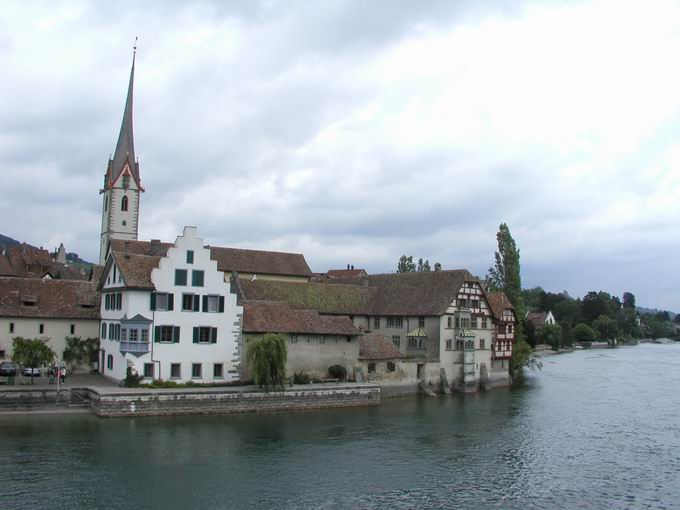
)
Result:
{"points": [[437, 266], [347, 266], [352, 266], [155, 247]]}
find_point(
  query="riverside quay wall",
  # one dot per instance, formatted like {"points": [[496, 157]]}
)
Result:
{"points": [[116, 402]]}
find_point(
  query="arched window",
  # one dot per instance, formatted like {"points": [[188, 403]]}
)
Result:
{"points": [[124, 204]]}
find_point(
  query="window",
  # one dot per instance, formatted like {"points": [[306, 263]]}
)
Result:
{"points": [[473, 323], [2, 354], [371, 368], [376, 322], [481, 344], [394, 322], [474, 303], [197, 278], [469, 344], [123, 335], [103, 335], [196, 370], [175, 370], [459, 344], [148, 370], [293, 339], [124, 204], [218, 370], [205, 335], [124, 223], [73, 329], [114, 273], [134, 335], [109, 362], [41, 328], [190, 302], [145, 335], [449, 343], [167, 334], [448, 321], [181, 277], [11, 327], [119, 301], [162, 301], [213, 304], [421, 322], [484, 323], [391, 367], [190, 256], [396, 340], [106, 203]]}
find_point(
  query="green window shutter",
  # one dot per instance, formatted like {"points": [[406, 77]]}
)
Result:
{"points": [[213, 335], [197, 278], [221, 304], [152, 304], [195, 335], [180, 277], [171, 301], [175, 334], [197, 300], [157, 334], [205, 303]]}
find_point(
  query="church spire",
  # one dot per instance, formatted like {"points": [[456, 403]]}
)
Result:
{"points": [[125, 148]]}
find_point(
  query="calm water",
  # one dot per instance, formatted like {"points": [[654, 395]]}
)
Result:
{"points": [[594, 429]]}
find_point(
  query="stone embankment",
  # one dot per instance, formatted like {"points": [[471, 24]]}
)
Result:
{"points": [[109, 402]]}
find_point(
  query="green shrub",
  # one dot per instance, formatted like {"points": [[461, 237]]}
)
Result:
{"points": [[300, 378], [131, 380], [338, 372]]}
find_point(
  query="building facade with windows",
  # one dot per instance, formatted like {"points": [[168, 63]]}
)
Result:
{"points": [[49, 309], [170, 317]]}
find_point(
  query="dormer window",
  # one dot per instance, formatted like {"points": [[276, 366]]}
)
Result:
{"points": [[124, 204]]}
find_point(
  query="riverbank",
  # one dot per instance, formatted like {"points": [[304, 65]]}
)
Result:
{"points": [[108, 402]]}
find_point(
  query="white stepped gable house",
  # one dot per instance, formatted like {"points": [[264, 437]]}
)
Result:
{"points": [[169, 316]]}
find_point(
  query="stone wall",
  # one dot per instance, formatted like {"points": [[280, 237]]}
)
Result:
{"points": [[140, 402], [29, 399]]}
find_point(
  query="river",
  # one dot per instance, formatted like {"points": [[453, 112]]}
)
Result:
{"points": [[593, 429]]}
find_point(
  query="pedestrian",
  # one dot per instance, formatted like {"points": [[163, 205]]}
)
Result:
{"points": [[52, 374], [62, 374]]}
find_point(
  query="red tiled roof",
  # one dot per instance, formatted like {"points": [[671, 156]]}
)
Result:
{"points": [[277, 317], [377, 346], [351, 273], [498, 302], [67, 299]]}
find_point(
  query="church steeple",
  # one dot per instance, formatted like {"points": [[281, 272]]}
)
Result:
{"points": [[122, 184]]}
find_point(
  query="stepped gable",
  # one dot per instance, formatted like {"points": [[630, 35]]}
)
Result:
{"points": [[61, 299], [278, 317], [376, 346], [228, 259], [325, 298], [417, 293], [498, 302]]}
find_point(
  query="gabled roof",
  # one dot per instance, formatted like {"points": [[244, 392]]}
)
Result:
{"points": [[537, 318], [277, 317], [228, 259], [499, 302], [323, 297], [135, 269], [418, 293], [376, 346], [64, 299]]}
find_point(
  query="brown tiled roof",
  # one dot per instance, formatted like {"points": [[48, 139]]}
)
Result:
{"points": [[418, 293], [498, 302], [352, 273], [537, 318], [136, 269], [229, 259], [323, 297], [277, 317], [67, 299], [377, 346]]}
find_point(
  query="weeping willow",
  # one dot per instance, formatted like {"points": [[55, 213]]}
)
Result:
{"points": [[266, 358]]}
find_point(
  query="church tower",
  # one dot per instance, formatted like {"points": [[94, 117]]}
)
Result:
{"points": [[122, 185]]}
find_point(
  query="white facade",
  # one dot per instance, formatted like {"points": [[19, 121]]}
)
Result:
{"points": [[185, 329]]}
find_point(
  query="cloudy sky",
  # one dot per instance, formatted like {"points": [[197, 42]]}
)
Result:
{"points": [[355, 132]]}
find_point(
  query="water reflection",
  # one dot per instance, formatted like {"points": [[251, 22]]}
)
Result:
{"points": [[590, 431]]}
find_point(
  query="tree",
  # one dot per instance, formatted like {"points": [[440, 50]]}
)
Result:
{"points": [[523, 356], [584, 333], [80, 352], [606, 327], [505, 274], [552, 336], [406, 264], [266, 359], [629, 300], [423, 266], [32, 352]]}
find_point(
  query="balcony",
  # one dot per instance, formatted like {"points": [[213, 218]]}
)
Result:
{"points": [[134, 347]]}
